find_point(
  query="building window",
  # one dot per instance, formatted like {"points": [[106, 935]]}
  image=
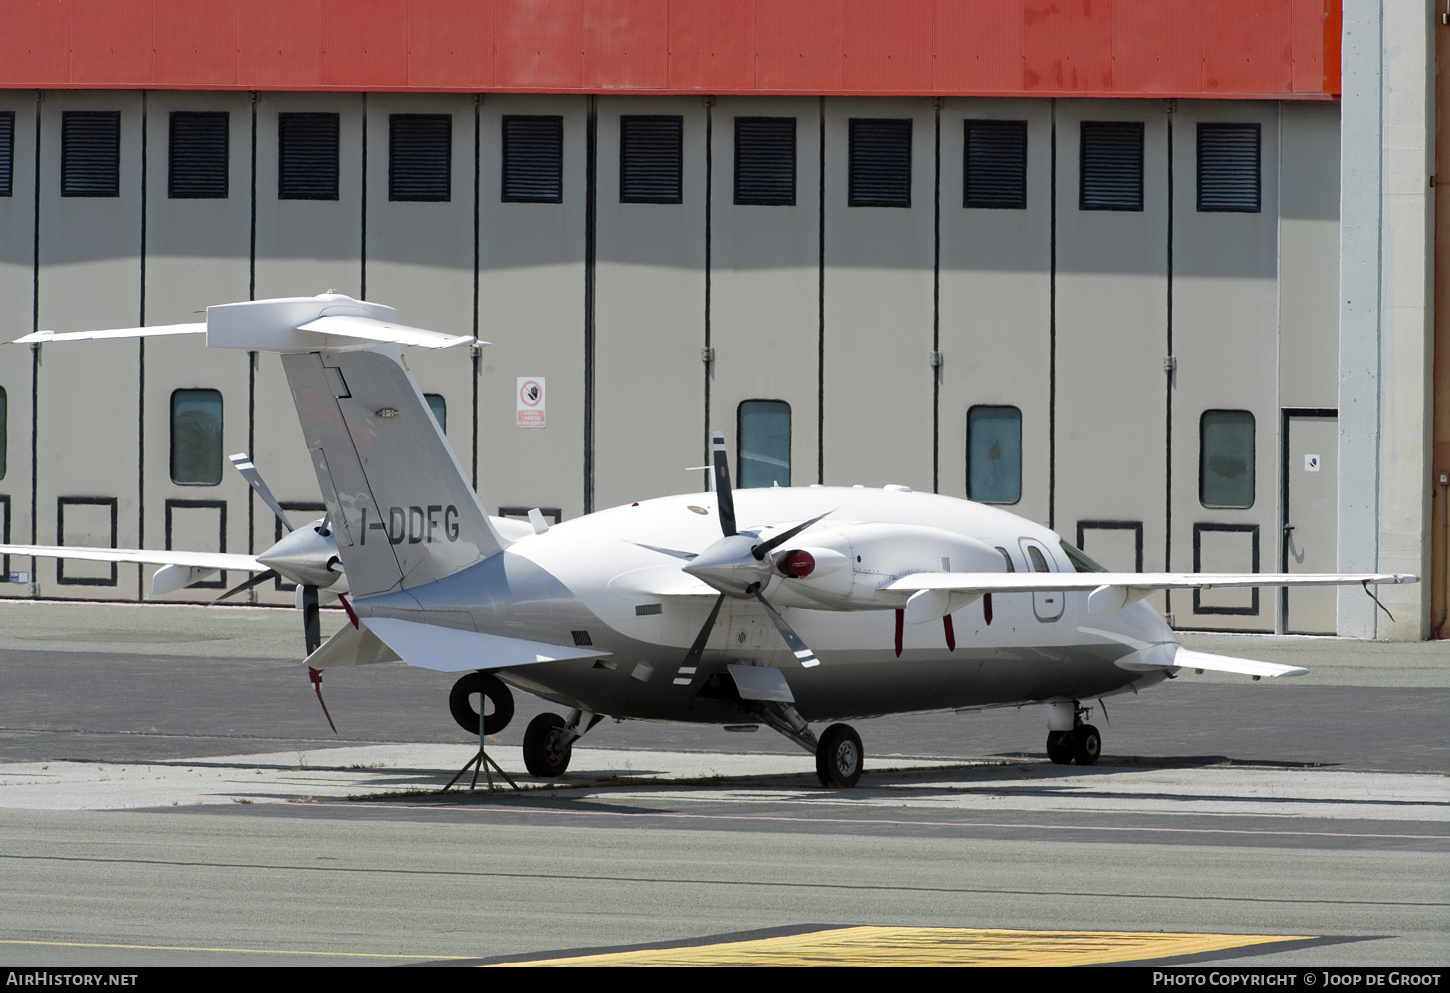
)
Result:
{"points": [[994, 170], [90, 153], [420, 156], [1228, 168], [651, 159], [762, 456], [1111, 170], [7, 150], [307, 156], [880, 167], [198, 165], [196, 437], [4, 429], [994, 454], [1226, 459], [765, 161], [533, 159], [439, 407]]}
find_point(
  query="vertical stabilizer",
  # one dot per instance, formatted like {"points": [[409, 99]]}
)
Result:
{"points": [[401, 507]]}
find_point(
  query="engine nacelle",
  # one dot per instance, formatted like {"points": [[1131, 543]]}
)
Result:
{"points": [[844, 565]]}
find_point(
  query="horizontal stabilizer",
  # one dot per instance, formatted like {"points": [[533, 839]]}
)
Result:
{"points": [[428, 646], [1224, 663], [195, 560], [374, 330], [41, 337]]}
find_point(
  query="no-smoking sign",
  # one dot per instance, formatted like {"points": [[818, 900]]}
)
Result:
{"points": [[531, 402]]}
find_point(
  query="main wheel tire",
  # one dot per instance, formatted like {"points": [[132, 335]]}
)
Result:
{"points": [[1060, 747], [544, 755], [489, 687], [839, 757], [1087, 744]]}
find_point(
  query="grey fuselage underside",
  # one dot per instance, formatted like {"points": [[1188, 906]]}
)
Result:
{"points": [[512, 596]]}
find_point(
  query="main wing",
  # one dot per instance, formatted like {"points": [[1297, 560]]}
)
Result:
{"points": [[1110, 591]]}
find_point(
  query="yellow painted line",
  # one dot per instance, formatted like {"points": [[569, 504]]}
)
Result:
{"points": [[898, 946], [246, 951]]}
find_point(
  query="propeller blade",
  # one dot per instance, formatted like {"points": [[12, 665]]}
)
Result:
{"points": [[799, 648], [763, 549], [256, 580], [686, 672], [311, 619], [249, 472], [724, 496]]}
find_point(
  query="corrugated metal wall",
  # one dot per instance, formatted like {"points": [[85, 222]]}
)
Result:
{"points": [[1221, 48]]}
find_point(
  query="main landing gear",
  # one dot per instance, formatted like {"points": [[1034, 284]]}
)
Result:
{"points": [[1077, 741], [549, 741]]}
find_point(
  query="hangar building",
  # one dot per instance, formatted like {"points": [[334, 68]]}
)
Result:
{"points": [[1134, 270]]}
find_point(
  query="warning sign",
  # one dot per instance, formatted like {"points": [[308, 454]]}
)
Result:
{"points": [[531, 402]]}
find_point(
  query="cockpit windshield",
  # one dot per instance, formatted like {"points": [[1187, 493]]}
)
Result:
{"points": [[1080, 560]]}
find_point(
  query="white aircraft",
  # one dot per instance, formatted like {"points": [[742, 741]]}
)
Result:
{"points": [[781, 607]]}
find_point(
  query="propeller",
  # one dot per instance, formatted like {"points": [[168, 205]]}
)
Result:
{"points": [[738, 565], [307, 557]]}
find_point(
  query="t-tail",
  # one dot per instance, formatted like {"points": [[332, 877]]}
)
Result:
{"points": [[399, 504]]}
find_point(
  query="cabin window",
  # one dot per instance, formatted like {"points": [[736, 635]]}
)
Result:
{"points": [[762, 457], [196, 437], [1226, 459], [1039, 561], [994, 454], [439, 407]]}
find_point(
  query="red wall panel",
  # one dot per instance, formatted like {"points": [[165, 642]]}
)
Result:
{"points": [[626, 45], [800, 46], [196, 44], [978, 47], [1186, 48], [1142, 61], [1309, 59], [712, 45], [450, 43], [280, 43], [111, 41], [538, 44], [35, 47], [1069, 46], [889, 46], [364, 43], [1246, 46]]}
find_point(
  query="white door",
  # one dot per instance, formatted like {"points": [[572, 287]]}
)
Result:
{"points": [[1311, 518]]}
